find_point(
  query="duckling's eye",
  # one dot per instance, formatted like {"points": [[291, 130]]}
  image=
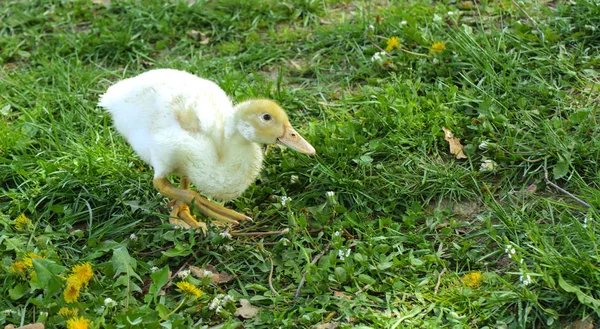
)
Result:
{"points": [[266, 117]]}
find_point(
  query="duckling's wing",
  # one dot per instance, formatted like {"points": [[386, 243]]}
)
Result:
{"points": [[161, 111]]}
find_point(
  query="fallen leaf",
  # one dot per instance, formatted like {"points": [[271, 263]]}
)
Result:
{"points": [[455, 145], [102, 2], [531, 188], [37, 325], [246, 311], [340, 294], [211, 271], [328, 325], [204, 40], [582, 324]]}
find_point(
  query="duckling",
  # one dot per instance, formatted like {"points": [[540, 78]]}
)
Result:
{"points": [[182, 124]]}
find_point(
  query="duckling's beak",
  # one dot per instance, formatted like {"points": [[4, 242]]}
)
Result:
{"points": [[293, 140]]}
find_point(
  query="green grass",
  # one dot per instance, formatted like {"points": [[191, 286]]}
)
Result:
{"points": [[519, 85]]}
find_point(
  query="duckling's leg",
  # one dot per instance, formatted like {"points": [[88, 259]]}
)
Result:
{"points": [[180, 215], [205, 206]]}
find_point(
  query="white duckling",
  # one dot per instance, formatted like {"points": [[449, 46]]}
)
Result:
{"points": [[180, 123]]}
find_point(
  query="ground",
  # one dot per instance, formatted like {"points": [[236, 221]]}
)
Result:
{"points": [[388, 226]]}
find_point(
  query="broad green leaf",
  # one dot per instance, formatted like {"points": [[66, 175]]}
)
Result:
{"points": [[581, 296], [18, 291], [159, 279], [47, 272], [123, 263]]}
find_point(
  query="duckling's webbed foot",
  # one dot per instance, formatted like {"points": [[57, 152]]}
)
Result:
{"points": [[183, 197]]}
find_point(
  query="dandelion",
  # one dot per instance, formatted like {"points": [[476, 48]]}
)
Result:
{"points": [[472, 279], [392, 43], [285, 200], [27, 260], [21, 222], [82, 273], [71, 293], [18, 267], [66, 312], [78, 323], [109, 302], [189, 289], [437, 47]]}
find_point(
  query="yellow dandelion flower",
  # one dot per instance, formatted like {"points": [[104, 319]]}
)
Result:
{"points": [[66, 312], [472, 279], [392, 43], [71, 292], [78, 323], [18, 267], [189, 289], [83, 272], [21, 222], [27, 259], [437, 47]]}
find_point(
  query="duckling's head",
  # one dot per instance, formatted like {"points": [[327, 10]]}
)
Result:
{"points": [[264, 121]]}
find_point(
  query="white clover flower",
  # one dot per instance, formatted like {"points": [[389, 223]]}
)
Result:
{"points": [[484, 145], [218, 310], [525, 280], [133, 237], [183, 274], [488, 165], [330, 194], [225, 235], [285, 200], [109, 302], [379, 57], [214, 304], [285, 241], [336, 233], [294, 179], [343, 254]]}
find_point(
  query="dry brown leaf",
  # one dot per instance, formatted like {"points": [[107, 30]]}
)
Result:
{"points": [[197, 35], [328, 325], [581, 324], [215, 277], [37, 325], [341, 295], [455, 145], [246, 311], [531, 188], [102, 2]]}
